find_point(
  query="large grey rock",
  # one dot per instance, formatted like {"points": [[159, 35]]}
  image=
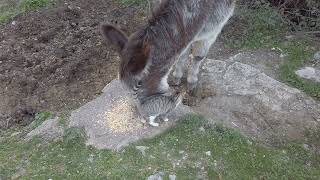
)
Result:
{"points": [[112, 122], [310, 73], [49, 130], [243, 97]]}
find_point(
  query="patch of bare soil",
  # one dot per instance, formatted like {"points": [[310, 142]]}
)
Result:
{"points": [[55, 59]]}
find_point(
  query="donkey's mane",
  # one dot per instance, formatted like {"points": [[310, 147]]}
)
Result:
{"points": [[159, 24]]}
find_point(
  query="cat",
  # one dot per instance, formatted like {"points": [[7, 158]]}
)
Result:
{"points": [[158, 106]]}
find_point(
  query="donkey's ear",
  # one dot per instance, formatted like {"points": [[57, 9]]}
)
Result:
{"points": [[114, 36]]}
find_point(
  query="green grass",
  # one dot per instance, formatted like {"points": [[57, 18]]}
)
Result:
{"points": [[180, 151], [132, 2], [28, 5], [11, 8], [298, 55], [40, 118], [266, 30], [136, 3]]}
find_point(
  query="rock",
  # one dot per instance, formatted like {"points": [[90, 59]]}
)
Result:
{"points": [[172, 177], [157, 176], [111, 121], [142, 149], [21, 172], [265, 61], [317, 56], [258, 105], [15, 134], [49, 130], [202, 129], [309, 73], [208, 153]]}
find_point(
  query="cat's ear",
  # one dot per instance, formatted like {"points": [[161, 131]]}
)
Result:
{"points": [[115, 36]]}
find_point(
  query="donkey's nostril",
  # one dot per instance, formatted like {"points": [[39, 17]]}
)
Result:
{"points": [[139, 84]]}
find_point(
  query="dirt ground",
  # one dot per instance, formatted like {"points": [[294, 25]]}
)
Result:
{"points": [[55, 59]]}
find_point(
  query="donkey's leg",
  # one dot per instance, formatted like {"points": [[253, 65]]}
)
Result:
{"points": [[180, 66], [206, 38], [200, 50]]}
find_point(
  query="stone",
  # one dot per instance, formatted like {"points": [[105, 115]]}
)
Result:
{"points": [[49, 130], [172, 177], [248, 99], [317, 56], [111, 121], [142, 149], [158, 176], [15, 134], [265, 61], [208, 153], [21, 172], [310, 73]]}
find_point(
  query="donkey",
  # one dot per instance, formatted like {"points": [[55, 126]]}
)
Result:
{"points": [[175, 29]]}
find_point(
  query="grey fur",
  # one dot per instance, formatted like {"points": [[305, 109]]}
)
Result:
{"points": [[158, 106], [175, 28]]}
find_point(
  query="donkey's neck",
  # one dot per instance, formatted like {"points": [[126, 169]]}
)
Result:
{"points": [[174, 25]]}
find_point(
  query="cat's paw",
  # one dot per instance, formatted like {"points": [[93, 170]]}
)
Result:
{"points": [[165, 119], [154, 124]]}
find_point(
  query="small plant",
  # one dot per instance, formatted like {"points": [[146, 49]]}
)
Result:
{"points": [[74, 136], [28, 5], [40, 118], [132, 2]]}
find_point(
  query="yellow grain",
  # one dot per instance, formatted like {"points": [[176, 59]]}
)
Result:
{"points": [[122, 118]]}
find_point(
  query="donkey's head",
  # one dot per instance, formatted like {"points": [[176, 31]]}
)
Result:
{"points": [[134, 52]]}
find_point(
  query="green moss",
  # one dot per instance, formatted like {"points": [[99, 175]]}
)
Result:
{"points": [[180, 151]]}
